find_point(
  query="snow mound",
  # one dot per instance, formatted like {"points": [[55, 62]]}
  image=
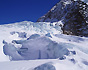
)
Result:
{"points": [[45, 66]]}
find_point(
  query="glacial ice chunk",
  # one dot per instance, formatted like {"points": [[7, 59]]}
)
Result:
{"points": [[20, 34], [39, 48], [48, 35], [18, 41], [34, 36], [11, 51]]}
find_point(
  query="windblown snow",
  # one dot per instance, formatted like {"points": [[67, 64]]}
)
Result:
{"points": [[41, 46]]}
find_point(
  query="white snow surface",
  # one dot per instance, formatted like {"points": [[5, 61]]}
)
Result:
{"points": [[25, 47]]}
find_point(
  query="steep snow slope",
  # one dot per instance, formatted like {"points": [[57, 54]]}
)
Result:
{"points": [[35, 41]]}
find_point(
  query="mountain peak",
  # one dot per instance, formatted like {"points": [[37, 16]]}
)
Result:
{"points": [[74, 15]]}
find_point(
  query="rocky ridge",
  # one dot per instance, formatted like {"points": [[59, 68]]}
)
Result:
{"points": [[72, 13]]}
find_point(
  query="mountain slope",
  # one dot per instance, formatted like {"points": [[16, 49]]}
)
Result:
{"points": [[73, 14]]}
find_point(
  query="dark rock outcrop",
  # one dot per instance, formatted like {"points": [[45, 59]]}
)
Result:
{"points": [[73, 14]]}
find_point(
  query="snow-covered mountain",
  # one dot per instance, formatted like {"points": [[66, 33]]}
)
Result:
{"points": [[72, 13], [44, 45], [41, 46]]}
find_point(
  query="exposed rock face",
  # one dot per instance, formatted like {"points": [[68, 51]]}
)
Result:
{"points": [[74, 15]]}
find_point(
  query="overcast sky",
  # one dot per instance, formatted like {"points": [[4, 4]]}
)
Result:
{"points": [[24, 10]]}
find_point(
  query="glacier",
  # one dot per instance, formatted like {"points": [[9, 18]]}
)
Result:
{"points": [[57, 41], [29, 46]]}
